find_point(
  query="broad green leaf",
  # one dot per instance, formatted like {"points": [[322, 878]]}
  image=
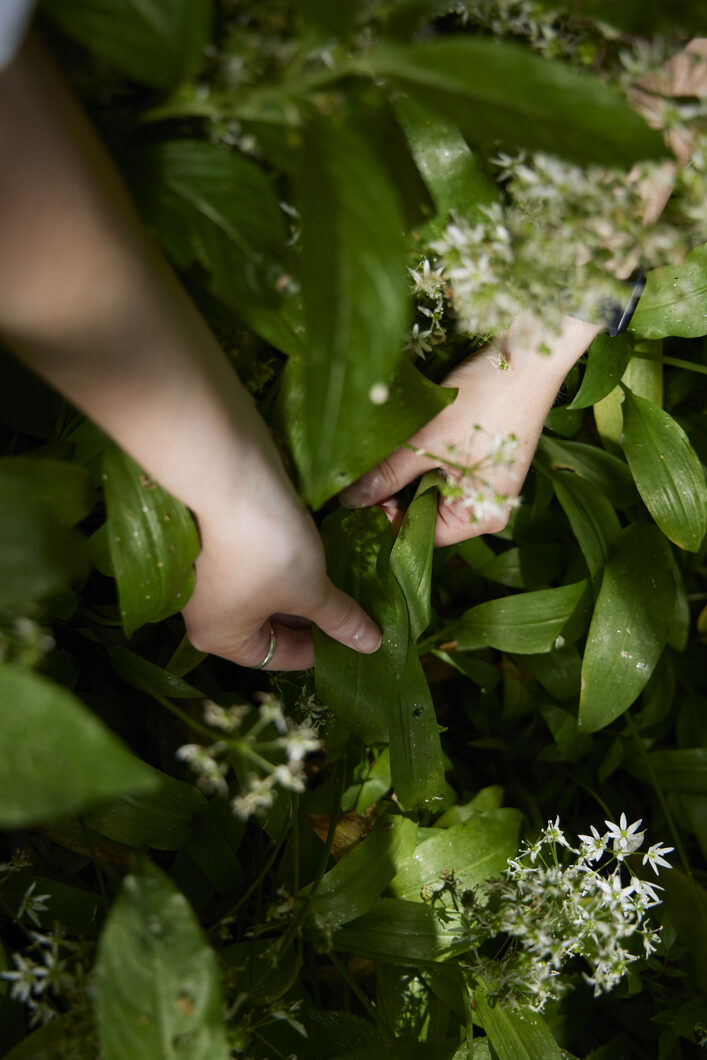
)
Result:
{"points": [[606, 362], [145, 676], [643, 377], [481, 673], [673, 302], [475, 849], [452, 172], [357, 880], [412, 402], [644, 17], [403, 933], [523, 623], [608, 473], [154, 42], [219, 209], [488, 798], [629, 627], [62, 489], [559, 671], [355, 300], [501, 91], [667, 471], [592, 517], [153, 543], [44, 727], [161, 819], [684, 771], [384, 695], [412, 554], [525, 567], [416, 767], [157, 984], [357, 545], [521, 1035], [38, 555]]}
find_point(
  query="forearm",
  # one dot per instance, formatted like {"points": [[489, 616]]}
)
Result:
{"points": [[90, 305]]}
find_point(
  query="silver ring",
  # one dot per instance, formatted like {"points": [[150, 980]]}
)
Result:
{"points": [[271, 650]]}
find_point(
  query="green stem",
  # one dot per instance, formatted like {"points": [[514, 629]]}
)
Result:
{"points": [[674, 362], [256, 882]]}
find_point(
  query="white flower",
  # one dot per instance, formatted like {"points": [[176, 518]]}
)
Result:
{"points": [[654, 856], [625, 838], [594, 845], [554, 833], [32, 904]]}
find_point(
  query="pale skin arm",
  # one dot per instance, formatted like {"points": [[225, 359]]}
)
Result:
{"points": [[88, 303]]}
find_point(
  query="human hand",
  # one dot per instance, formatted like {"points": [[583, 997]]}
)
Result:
{"points": [[505, 389], [265, 569]]}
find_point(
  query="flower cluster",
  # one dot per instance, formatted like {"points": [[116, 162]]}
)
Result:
{"points": [[545, 913], [266, 748], [563, 236], [51, 974]]}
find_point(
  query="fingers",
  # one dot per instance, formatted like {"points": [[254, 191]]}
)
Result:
{"points": [[341, 618], [386, 479], [287, 649]]}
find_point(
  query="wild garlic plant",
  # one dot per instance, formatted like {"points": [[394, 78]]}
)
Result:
{"points": [[557, 902], [266, 748]]}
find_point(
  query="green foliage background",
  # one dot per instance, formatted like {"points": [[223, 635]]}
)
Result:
{"points": [[557, 668]]}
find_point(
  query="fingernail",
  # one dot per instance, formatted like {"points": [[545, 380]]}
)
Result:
{"points": [[367, 640], [360, 493]]}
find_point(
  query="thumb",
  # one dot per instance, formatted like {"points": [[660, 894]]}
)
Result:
{"points": [[341, 618], [386, 478]]}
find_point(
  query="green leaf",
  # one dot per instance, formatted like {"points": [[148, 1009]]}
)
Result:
{"points": [[157, 984], [38, 555], [684, 771], [216, 208], [607, 359], [161, 819], [475, 849], [452, 172], [373, 431], [667, 471], [357, 545], [524, 623], [500, 90], [145, 676], [416, 767], [629, 627], [403, 933], [153, 543], [525, 567], [384, 695], [608, 473], [673, 302], [357, 880], [355, 298], [594, 522], [412, 555], [44, 727], [63, 490], [521, 1035], [157, 43]]}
